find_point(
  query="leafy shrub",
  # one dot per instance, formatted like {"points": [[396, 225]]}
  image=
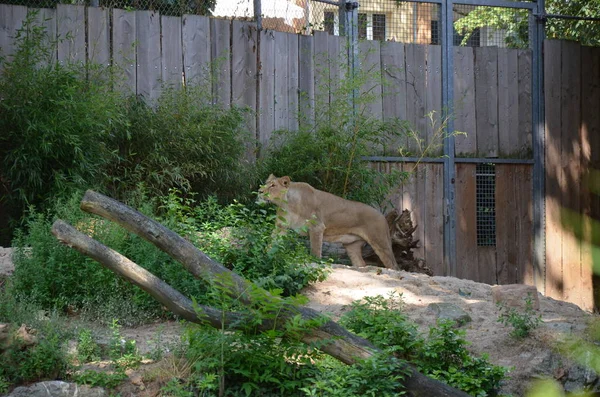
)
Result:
{"points": [[184, 142], [87, 348], [53, 123], [522, 322], [443, 355]]}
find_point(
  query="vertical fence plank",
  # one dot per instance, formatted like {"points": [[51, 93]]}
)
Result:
{"points": [[506, 242], [508, 102], [266, 86], [322, 79], [570, 163], [590, 132], [148, 54], [281, 80], [335, 54], [370, 58], [464, 101], [414, 201], [525, 127], [11, 20], [71, 33], [306, 79], [196, 49], [292, 83], [220, 52], [524, 224], [466, 223], [394, 88], [171, 51], [435, 138], [124, 48], [244, 70], [46, 18], [434, 219], [98, 36], [486, 98], [552, 89], [416, 92]]}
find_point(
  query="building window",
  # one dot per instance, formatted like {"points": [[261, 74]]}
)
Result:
{"points": [[485, 175], [474, 39], [435, 32], [329, 22], [371, 26]]}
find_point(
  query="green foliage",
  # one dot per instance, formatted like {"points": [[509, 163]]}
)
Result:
{"points": [[443, 355], [55, 276], [53, 123], [241, 239], [184, 141], [381, 375], [99, 379], [522, 322], [515, 23], [87, 348]]}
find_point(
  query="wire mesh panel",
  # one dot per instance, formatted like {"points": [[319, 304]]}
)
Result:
{"points": [[485, 175]]}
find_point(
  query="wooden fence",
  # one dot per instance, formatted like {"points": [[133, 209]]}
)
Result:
{"points": [[281, 75]]}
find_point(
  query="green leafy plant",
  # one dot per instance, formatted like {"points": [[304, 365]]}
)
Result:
{"points": [[99, 379], [522, 322], [443, 355], [87, 348]]}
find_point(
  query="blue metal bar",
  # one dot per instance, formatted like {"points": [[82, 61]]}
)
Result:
{"points": [[539, 145]]}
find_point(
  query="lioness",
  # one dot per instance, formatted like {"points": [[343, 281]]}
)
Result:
{"points": [[330, 218]]}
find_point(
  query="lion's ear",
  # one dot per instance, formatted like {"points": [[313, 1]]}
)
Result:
{"points": [[271, 177], [285, 180]]}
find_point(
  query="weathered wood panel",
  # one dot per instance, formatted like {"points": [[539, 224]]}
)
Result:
{"points": [[570, 163], [464, 101], [221, 62], [524, 225], [525, 122], [266, 110], [46, 18], [508, 102], [486, 98], [124, 48], [11, 20], [280, 80], [244, 70], [435, 134], [416, 94], [506, 224], [71, 33], [554, 172], [371, 91], [337, 69], [148, 54], [394, 88], [322, 78], [197, 50], [98, 36], [306, 79], [466, 223], [171, 51], [414, 200], [293, 82], [433, 224], [590, 139]]}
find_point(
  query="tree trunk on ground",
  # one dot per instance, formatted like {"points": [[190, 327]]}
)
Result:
{"points": [[342, 344]]}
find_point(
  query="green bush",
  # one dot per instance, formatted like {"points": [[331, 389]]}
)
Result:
{"points": [[53, 123], [443, 355], [182, 142], [523, 322]]}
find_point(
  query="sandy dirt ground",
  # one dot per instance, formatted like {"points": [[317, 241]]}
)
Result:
{"points": [[527, 358]]}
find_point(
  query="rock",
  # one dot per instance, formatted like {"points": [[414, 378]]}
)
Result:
{"points": [[449, 311], [57, 389], [515, 295]]}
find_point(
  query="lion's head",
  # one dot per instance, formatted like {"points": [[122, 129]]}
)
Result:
{"points": [[274, 189]]}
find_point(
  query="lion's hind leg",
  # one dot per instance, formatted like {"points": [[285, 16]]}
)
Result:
{"points": [[354, 251]]}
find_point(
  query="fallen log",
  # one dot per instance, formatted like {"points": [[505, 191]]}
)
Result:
{"points": [[333, 339]]}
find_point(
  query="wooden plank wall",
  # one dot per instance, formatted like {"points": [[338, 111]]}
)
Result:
{"points": [[572, 86]]}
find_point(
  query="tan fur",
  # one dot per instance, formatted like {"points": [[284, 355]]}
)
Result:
{"points": [[329, 218]]}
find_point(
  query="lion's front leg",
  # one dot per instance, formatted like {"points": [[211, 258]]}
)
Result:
{"points": [[354, 251], [315, 234]]}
